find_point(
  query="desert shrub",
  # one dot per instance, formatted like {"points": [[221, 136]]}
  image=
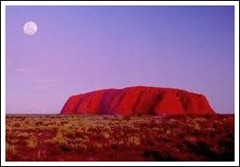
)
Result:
{"points": [[134, 140], [38, 123], [9, 128], [197, 127], [14, 140], [172, 121], [191, 139], [168, 132], [106, 134], [81, 146], [41, 155], [32, 142], [23, 135], [10, 149], [16, 125], [98, 145], [59, 138], [30, 127]]}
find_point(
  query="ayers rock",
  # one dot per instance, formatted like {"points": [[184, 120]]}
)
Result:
{"points": [[139, 100]]}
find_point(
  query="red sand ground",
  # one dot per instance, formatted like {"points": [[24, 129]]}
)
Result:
{"points": [[116, 138]]}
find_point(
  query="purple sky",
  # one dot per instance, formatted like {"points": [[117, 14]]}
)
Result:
{"points": [[80, 49]]}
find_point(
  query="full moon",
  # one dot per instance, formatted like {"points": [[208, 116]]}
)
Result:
{"points": [[30, 28]]}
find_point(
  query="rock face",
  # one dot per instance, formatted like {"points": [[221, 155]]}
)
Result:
{"points": [[138, 100]]}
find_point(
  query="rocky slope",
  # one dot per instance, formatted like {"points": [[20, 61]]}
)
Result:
{"points": [[138, 100]]}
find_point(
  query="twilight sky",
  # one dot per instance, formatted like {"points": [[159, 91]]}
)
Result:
{"points": [[78, 49]]}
